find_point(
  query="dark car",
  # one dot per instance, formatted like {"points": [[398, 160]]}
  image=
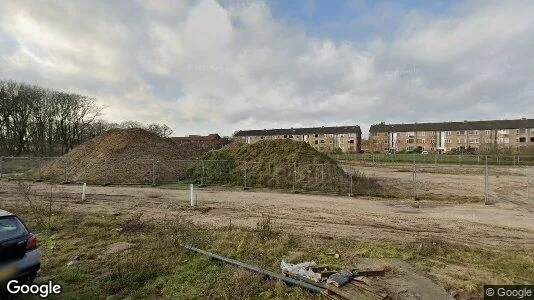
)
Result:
{"points": [[19, 256]]}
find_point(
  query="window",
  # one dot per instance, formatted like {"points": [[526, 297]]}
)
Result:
{"points": [[504, 140], [410, 141], [488, 132], [448, 133], [290, 136], [473, 132], [316, 142], [532, 139], [422, 133], [487, 140], [521, 131], [285, 136], [351, 141], [473, 141], [522, 139], [11, 227], [460, 132], [503, 131], [322, 141], [410, 134], [316, 135], [432, 142]]}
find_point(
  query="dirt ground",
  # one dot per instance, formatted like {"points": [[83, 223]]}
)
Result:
{"points": [[315, 215], [452, 183]]}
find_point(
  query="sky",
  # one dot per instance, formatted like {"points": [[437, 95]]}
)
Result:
{"points": [[217, 66]]}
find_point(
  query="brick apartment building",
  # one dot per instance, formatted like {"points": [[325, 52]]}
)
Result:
{"points": [[325, 139], [211, 141], [447, 136]]}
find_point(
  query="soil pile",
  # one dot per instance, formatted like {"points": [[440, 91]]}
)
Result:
{"points": [[127, 156], [275, 164]]}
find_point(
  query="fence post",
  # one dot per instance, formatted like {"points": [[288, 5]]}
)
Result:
{"points": [[486, 197], [202, 174], [350, 186], [154, 172], [192, 197], [526, 175], [65, 166], [245, 175], [414, 178], [294, 174]]}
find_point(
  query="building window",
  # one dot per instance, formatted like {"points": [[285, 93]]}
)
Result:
{"points": [[322, 141], [488, 132], [422, 133], [290, 136], [532, 139], [448, 141], [316, 142], [410, 134], [503, 131], [448, 133], [410, 141], [351, 141], [522, 139], [432, 142], [460, 132], [473, 141], [473, 132], [521, 131], [316, 135]]}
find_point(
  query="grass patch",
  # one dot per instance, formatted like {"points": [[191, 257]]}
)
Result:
{"points": [[157, 267]]}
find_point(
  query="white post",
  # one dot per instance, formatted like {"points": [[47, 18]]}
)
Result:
{"points": [[84, 189], [192, 197]]}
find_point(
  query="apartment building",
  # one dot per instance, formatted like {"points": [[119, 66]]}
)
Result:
{"points": [[325, 139], [447, 136]]}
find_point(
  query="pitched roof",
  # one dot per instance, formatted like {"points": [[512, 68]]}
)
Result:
{"points": [[197, 138], [448, 126], [310, 130]]}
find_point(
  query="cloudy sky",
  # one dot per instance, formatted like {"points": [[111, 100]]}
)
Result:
{"points": [[222, 65]]}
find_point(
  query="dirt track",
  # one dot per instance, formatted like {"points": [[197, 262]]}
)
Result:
{"points": [[316, 215]]}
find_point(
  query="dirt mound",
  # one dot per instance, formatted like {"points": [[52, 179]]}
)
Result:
{"points": [[121, 156], [276, 164]]}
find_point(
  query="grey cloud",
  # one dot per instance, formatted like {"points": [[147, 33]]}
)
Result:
{"points": [[203, 67]]}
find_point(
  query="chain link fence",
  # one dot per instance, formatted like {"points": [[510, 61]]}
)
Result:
{"points": [[498, 160], [293, 176], [485, 183], [488, 182]]}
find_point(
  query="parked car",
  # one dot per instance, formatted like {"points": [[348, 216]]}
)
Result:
{"points": [[20, 259], [424, 152]]}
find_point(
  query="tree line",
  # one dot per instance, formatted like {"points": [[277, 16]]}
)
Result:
{"points": [[43, 122]]}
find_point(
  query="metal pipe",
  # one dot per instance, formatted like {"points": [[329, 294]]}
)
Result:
{"points": [[256, 269]]}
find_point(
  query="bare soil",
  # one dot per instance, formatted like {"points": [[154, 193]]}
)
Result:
{"points": [[448, 183], [364, 218]]}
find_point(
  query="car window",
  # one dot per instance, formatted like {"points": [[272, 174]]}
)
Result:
{"points": [[11, 227]]}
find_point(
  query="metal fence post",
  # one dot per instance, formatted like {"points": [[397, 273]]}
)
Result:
{"points": [[294, 175], [350, 186], [245, 175], [154, 172], [414, 178], [526, 175], [202, 174], [486, 197], [65, 166]]}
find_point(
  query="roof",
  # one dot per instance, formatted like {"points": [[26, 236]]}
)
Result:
{"points": [[198, 138], [4, 213], [309, 130], [448, 126]]}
